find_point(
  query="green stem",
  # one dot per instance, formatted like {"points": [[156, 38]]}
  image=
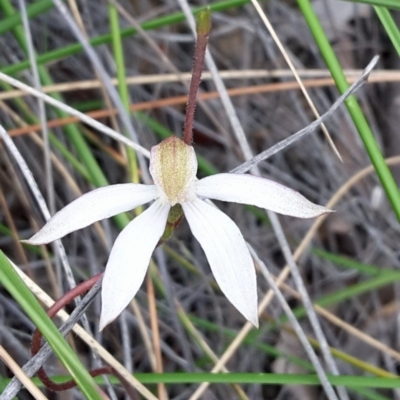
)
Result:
{"points": [[122, 85], [372, 148]]}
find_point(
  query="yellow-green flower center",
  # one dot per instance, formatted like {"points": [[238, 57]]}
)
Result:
{"points": [[173, 166]]}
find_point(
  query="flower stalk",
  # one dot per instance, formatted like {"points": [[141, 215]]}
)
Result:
{"points": [[203, 28]]}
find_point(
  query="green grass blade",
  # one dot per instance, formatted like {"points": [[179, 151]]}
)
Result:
{"points": [[11, 281], [367, 269], [351, 381], [394, 4], [72, 131], [267, 378], [381, 277], [34, 9], [122, 85], [61, 379], [374, 153], [3, 383], [370, 394], [107, 38], [348, 293], [390, 26]]}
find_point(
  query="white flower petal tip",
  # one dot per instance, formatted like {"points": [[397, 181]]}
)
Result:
{"points": [[103, 323], [129, 260], [254, 321], [29, 241], [260, 192], [38, 238], [322, 211], [173, 166], [227, 254], [94, 206], [251, 314]]}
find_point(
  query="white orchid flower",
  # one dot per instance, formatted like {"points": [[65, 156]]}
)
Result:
{"points": [[173, 166]]}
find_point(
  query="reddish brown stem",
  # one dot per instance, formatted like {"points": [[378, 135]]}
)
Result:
{"points": [[37, 336], [203, 31], [51, 312]]}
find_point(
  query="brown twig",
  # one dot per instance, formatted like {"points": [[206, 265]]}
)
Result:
{"points": [[178, 100]]}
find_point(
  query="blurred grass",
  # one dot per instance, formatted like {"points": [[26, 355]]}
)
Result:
{"points": [[72, 131], [390, 26], [351, 381], [394, 4], [89, 169], [122, 85], [105, 39], [24, 297], [353, 107]]}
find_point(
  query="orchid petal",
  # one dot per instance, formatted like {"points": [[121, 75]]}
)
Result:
{"points": [[260, 192], [94, 206], [129, 260], [227, 253]]}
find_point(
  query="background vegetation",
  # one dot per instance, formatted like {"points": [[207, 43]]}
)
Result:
{"points": [[180, 326]]}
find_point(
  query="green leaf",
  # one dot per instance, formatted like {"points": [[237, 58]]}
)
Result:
{"points": [[12, 282]]}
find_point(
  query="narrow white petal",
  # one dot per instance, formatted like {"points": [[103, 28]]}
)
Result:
{"points": [[129, 260], [94, 206], [227, 253], [260, 192]]}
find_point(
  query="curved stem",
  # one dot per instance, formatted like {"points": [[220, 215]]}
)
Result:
{"points": [[52, 311], [37, 337]]}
